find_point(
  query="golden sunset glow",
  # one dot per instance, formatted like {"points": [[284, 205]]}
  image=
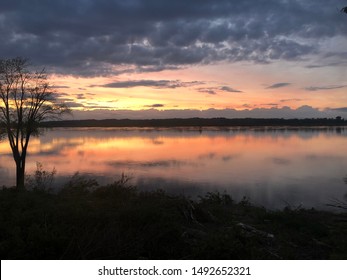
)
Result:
{"points": [[239, 87]]}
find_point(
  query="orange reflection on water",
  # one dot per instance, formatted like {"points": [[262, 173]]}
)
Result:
{"points": [[271, 164], [215, 156]]}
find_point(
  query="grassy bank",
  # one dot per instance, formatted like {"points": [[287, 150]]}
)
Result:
{"points": [[119, 222]]}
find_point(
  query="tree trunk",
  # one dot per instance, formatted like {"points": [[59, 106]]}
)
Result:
{"points": [[20, 174]]}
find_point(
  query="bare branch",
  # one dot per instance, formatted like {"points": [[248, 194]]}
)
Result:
{"points": [[25, 101]]}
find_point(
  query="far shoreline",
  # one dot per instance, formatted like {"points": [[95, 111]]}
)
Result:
{"points": [[199, 122]]}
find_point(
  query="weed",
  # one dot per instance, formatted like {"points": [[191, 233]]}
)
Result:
{"points": [[87, 221]]}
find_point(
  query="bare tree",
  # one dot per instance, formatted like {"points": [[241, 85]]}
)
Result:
{"points": [[26, 99]]}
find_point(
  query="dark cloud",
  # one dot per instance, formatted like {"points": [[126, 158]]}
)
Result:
{"points": [[278, 85], [155, 105], [80, 96], [62, 94], [328, 64], [315, 88], [229, 89], [94, 37], [72, 104], [94, 107], [59, 87], [247, 105], [291, 99], [269, 104], [150, 83], [214, 90], [211, 91]]}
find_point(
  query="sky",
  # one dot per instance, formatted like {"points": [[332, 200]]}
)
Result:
{"points": [[185, 58]]}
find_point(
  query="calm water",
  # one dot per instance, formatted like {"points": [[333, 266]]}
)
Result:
{"points": [[273, 167]]}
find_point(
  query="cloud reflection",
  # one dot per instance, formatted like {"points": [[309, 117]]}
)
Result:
{"points": [[263, 163], [281, 161], [150, 164]]}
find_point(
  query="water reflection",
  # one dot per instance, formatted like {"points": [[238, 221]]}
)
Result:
{"points": [[272, 166]]}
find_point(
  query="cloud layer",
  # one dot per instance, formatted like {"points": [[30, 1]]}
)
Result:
{"points": [[150, 83], [316, 88], [275, 112], [94, 37], [278, 85]]}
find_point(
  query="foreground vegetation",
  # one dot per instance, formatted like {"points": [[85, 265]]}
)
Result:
{"points": [[117, 221]]}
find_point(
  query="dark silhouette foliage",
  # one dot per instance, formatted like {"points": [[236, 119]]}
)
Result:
{"points": [[118, 221]]}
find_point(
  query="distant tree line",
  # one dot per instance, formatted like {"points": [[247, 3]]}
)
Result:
{"points": [[197, 122]]}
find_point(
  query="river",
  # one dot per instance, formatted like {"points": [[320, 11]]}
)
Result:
{"points": [[273, 167]]}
